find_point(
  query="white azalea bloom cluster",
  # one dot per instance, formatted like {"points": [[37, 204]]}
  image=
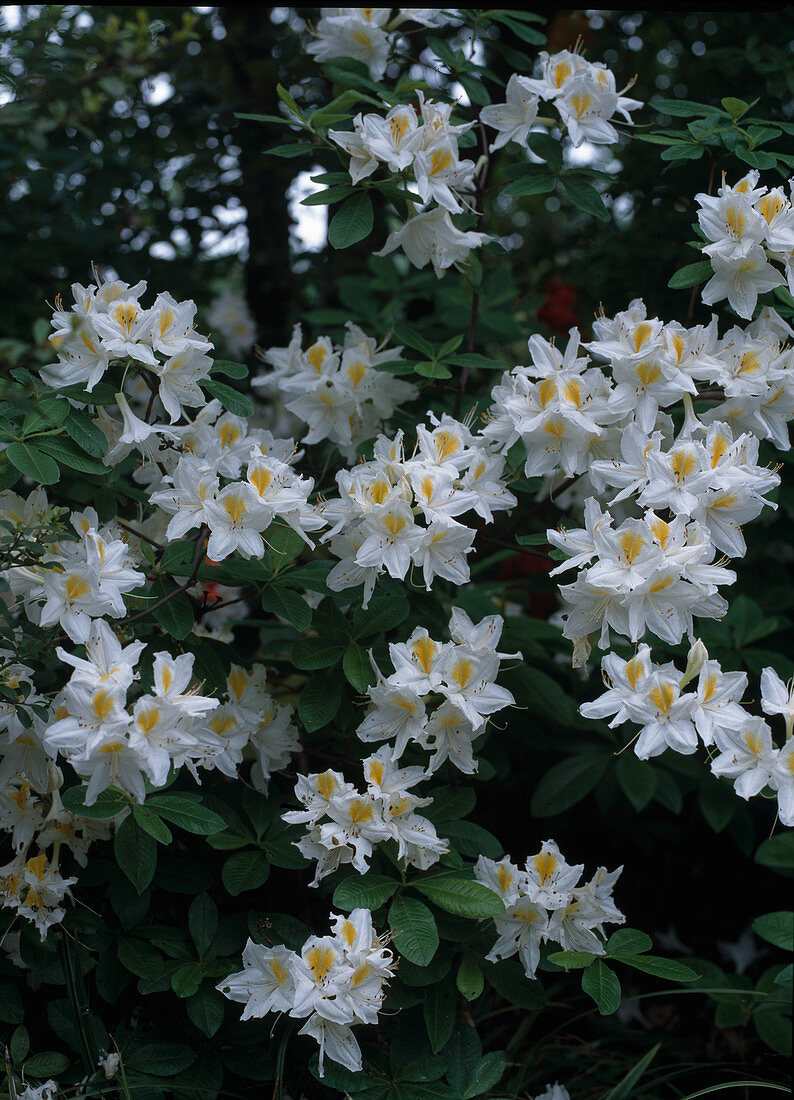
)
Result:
{"points": [[373, 523], [237, 514], [336, 981], [76, 581], [653, 697], [545, 903], [457, 676], [427, 146], [336, 390], [685, 496], [31, 812], [747, 225], [113, 741], [230, 316], [344, 824], [583, 92], [107, 322], [365, 33]]}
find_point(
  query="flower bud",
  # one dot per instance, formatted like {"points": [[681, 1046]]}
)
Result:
{"points": [[696, 658]]}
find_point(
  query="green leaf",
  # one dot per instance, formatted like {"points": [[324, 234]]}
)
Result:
{"points": [[777, 928], [774, 1029], [328, 196], [628, 941], [470, 980], [735, 107], [136, 853], [637, 779], [568, 783], [205, 1009], [293, 149], [683, 151], [462, 1055], [320, 700], [187, 813], [717, 801], [471, 840], [287, 99], [203, 920], [47, 1064], [186, 980], [108, 802], [681, 108], [546, 147], [160, 1059], [450, 803], [230, 398], [368, 891], [538, 539], [511, 983], [691, 275], [62, 448], [139, 957], [413, 930], [357, 667], [430, 369], [313, 653], [461, 896], [661, 968], [246, 870], [86, 434], [230, 368], [383, 613], [572, 960], [439, 1013], [474, 361], [352, 221], [287, 604], [151, 824], [19, 1045], [585, 197], [487, 1074], [175, 615], [600, 983], [32, 462]]}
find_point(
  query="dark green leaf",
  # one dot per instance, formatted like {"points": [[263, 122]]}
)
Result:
{"points": [[413, 929], [187, 813], [637, 778], [368, 891], [600, 983], [32, 462], [584, 196], [86, 434], [230, 398], [320, 700], [568, 783], [47, 1064], [691, 275], [229, 368], [69, 455], [352, 222], [460, 896], [108, 802], [313, 653], [186, 980], [439, 1013], [287, 604], [628, 941], [175, 614], [151, 824], [470, 980], [246, 870], [357, 667], [203, 920], [777, 928], [205, 1009], [661, 968], [136, 853]]}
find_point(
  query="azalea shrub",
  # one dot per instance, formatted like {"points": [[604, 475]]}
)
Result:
{"points": [[304, 642]]}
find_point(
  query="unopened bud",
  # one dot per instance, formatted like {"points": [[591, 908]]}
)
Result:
{"points": [[696, 658]]}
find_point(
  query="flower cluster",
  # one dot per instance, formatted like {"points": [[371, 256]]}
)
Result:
{"points": [[583, 92], [336, 390], [356, 821], [336, 981], [107, 322], [653, 697], [31, 811], [364, 33], [429, 150], [544, 903], [373, 523], [76, 580], [113, 742], [239, 513], [455, 679], [230, 316], [746, 226]]}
